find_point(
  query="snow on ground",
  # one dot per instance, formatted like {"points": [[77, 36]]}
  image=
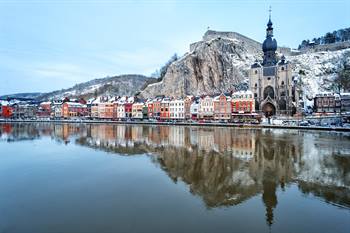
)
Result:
{"points": [[319, 67]]}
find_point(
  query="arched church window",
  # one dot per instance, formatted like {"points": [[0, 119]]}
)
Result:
{"points": [[282, 83], [256, 71], [282, 68], [269, 92], [256, 85]]}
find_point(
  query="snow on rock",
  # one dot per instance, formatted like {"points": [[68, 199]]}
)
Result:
{"points": [[320, 68]]}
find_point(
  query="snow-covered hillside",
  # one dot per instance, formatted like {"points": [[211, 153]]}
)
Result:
{"points": [[318, 69], [113, 86]]}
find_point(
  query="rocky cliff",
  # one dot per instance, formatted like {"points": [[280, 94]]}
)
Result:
{"points": [[216, 64], [220, 61]]}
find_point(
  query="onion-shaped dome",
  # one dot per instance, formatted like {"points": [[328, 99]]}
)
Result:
{"points": [[270, 44]]}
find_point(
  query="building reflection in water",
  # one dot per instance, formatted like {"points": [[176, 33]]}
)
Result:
{"points": [[224, 166]]}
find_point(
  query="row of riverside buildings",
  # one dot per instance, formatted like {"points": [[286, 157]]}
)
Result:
{"points": [[223, 107]]}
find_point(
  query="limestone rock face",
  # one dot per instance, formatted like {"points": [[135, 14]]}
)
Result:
{"points": [[221, 60], [214, 65]]}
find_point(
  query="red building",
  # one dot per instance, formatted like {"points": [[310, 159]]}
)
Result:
{"points": [[128, 110], [44, 109], [6, 111], [243, 102]]}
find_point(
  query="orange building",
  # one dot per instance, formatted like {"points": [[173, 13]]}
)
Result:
{"points": [[72, 109], [156, 108]]}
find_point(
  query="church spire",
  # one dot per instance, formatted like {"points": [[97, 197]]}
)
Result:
{"points": [[270, 45], [269, 30]]}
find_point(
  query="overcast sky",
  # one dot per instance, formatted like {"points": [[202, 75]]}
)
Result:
{"points": [[49, 45]]}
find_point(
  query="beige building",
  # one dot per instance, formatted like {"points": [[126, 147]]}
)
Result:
{"points": [[137, 110]]}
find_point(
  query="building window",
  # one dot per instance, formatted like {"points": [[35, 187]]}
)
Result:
{"points": [[282, 68], [256, 71]]}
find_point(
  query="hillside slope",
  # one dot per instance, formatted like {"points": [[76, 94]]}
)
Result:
{"points": [[117, 85]]}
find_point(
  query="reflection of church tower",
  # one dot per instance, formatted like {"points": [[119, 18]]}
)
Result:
{"points": [[269, 196]]}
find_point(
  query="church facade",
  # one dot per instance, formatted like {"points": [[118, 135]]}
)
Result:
{"points": [[271, 81]]}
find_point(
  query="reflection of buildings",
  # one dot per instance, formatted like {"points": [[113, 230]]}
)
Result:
{"points": [[224, 166]]}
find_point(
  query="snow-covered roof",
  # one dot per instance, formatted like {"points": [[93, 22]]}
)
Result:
{"points": [[138, 103], [324, 94], [177, 100], [74, 104], [131, 100], [90, 101], [4, 102], [96, 101], [242, 92]]}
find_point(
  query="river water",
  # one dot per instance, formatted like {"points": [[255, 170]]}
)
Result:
{"points": [[134, 178]]}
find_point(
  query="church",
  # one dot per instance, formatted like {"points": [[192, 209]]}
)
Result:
{"points": [[271, 80]]}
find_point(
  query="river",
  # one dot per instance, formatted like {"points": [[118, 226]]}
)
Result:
{"points": [[137, 178]]}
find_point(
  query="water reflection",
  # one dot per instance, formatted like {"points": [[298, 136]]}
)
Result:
{"points": [[223, 166]]}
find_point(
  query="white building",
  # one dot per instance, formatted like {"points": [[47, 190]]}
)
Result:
{"points": [[194, 110], [177, 109], [206, 107], [120, 107]]}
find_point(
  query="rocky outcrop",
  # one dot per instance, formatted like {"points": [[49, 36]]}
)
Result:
{"points": [[216, 64], [220, 62]]}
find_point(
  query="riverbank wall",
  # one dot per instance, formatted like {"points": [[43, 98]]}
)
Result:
{"points": [[211, 124]]}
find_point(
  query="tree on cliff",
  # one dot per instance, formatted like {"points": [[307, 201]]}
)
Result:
{"points": [[159, 74], [342, 80]]}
